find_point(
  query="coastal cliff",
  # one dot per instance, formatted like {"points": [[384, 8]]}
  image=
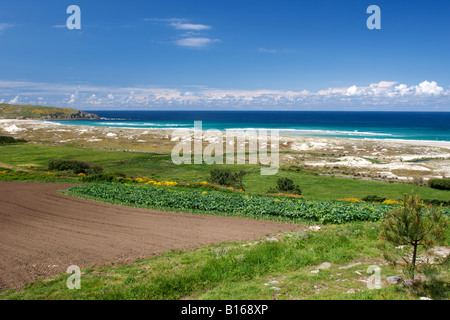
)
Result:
{"points": [[8, 111]]}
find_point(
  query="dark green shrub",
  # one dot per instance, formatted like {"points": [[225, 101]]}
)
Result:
{"points": [[441, 184], [8, 140], [436, 202], [94, 169], [225, 177], [75, 166], [373, 198], [288, 186], [273, 190], [100, 178]]}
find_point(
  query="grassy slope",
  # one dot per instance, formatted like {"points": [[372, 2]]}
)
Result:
{"points": [[160, 167], [245, 271], [8, 111]]}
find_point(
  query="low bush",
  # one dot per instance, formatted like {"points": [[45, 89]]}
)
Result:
{"points": [[441, 184], [225, 177], [75, 166], [286, 185], [373, 198], [437, 202], [9, 140], [100, 178]]}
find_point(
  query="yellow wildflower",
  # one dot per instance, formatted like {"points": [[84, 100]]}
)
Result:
{"points": [[389, 201], [351, 200]]}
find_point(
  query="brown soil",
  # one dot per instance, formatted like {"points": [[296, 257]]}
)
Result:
{"points": [[43, 232]]}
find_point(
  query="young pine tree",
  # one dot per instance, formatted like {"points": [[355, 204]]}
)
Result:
{"points": [[413, 226]]}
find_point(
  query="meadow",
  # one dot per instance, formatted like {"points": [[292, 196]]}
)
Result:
{"points": [[31, 160], [286, 266]]}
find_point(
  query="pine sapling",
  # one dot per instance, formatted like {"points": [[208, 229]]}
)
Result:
{"points": [[413, 225]]}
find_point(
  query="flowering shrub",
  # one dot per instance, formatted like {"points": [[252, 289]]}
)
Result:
{"points": [[146, 180], [389, 201]]}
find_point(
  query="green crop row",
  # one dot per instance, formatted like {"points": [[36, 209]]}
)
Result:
{"points": [[177, 199]]}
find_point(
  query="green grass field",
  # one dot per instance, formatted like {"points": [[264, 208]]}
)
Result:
{"points": [[160, 167]]}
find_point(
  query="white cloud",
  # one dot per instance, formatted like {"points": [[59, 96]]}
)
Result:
{"points": [[14, 100], [402, 89], [195, 42], [193, 36], [384, 84], [429, 88], [3, 26], [266, 50], [72, 98], [189, 26], [352, 91]]}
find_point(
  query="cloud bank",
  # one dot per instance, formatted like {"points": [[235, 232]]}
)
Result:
{"points": [[384, 95]]}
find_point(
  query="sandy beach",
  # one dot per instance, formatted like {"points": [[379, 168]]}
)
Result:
{"points": [[398, 160]]}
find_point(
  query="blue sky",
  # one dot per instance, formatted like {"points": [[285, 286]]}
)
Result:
{"points": [[277, 55]]}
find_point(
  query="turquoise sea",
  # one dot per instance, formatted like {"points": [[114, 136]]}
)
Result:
{"points": [[360, 125]]}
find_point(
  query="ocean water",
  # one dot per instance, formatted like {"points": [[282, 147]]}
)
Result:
{"points": [[358, 125]]}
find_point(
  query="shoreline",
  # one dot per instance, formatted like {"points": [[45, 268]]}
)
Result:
{"points": [[436, 143], [389, 159], [46, 123]]}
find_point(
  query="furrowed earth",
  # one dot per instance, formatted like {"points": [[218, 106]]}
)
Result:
{"points": [[42, 232]]}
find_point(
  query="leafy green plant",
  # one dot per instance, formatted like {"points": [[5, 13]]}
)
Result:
{"points": [[237, 204], [410, 227]]}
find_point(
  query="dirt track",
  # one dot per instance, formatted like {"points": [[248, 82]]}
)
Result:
{"points": [[43, 232]]}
